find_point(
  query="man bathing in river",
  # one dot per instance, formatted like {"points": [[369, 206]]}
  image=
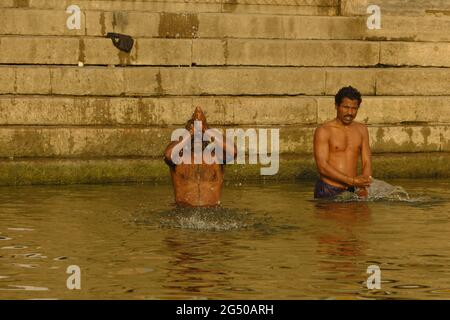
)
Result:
{"points": [[198, 183], [337, 146]]}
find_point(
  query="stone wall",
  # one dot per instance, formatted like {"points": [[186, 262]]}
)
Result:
{"points": [[248, 63]]}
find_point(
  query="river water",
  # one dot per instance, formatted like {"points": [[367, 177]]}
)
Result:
{"points": [[268, 241]]}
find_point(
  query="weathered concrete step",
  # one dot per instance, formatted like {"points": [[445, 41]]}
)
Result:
{"points": [[226, 110], [153, 81], [90, 171], [92, 51], [233, 52], [135, 141], [396, 7], [45, 110], [79, 142], [304, 7], [222, 25], [392, 110], [99, 51], [382, 139]]}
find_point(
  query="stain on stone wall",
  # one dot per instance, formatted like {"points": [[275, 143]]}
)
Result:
{"points": [[102, 23], [21, 3], [159, 89], [178, 25], [81, 49], [230, 5], [120, 20]]}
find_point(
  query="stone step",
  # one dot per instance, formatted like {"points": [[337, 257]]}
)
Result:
{"points": [[93, 51], [383, 139], [81, 111], [215, 52], [396, 7], [392, 110], [69, 142], [182, 81], [90, 171], [303, 7], [220, 111], [222, 25]]}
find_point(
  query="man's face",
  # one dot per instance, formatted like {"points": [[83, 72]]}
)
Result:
{"points": [[347, 110]]}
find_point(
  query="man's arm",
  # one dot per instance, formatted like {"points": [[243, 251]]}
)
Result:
{"points": [[366, 154], [168, 153], [228, 148], [321, 153], [169, 150]]}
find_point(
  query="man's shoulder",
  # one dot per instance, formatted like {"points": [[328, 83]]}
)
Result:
{"points": [[326, 126], [362, 127]]}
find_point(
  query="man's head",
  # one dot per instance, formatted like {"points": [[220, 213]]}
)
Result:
{"points": [[347, 102]]}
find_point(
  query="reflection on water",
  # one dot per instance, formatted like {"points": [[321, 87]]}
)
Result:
{"points": [[267, 241]]}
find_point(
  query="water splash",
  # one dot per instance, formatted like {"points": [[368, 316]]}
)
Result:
{"points": [[212, 219], [380, 190]]}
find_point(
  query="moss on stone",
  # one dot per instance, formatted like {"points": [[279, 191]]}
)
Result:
{"points": [[99, 171]]}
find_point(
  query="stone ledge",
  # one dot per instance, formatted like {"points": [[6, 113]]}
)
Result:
{"points": [[187, 81], [395, 7], [223, 25], [99, 171], [305, 7], [73, 142], [224, 110]]}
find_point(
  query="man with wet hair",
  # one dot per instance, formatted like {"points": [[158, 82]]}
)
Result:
{"points": [[338, 144], [198, 179]]}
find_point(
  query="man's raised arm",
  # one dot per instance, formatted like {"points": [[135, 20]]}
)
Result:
{"points": [[168, 153], [228, 147]]}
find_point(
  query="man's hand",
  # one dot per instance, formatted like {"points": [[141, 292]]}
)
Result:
{"points": [[362, 193], [361, 181], [204, 127]]}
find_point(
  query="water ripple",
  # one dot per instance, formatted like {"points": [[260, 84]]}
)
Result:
{"points": [[26, 288]]}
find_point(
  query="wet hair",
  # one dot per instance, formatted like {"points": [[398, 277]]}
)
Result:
{"points": [[347, 92]]}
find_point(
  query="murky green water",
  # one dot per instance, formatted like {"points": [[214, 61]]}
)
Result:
{"points": [[271, 241]]}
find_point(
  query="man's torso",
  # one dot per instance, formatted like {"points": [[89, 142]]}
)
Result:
{"points": [[197, 184], [344, 149]]}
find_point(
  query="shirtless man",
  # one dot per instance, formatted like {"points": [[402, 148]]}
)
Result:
{"points": [[198, 185], [337, 146]]}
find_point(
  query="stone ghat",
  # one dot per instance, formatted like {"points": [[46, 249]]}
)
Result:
{"points": [[75, 109]]}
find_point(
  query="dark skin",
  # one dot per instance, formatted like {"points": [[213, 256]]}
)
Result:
{"points": [[198, 185], [338, 144]]}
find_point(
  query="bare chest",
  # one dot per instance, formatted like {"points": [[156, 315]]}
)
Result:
{"points": [[342, 140]]}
